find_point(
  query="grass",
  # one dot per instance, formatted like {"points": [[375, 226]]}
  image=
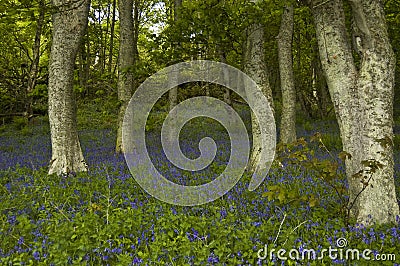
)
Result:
{"points": [[104, 217]]}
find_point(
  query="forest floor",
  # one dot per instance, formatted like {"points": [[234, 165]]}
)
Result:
{"points": [[103, 217]]}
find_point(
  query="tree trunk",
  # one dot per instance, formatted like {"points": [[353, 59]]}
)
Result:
{"points": [[111, 50], [320, 84], [173, 93], [285, 37], [255, 67], [69, 23], [34, 70], [363, 101], [227, 92], [136, 12], [102, 40], [136, 27], [84, 61], [125, 61]]}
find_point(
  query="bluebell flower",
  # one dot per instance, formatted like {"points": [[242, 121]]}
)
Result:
{"points": [[212, 258], [394, 232], [116, 250], [174, 212], [137, 260], [257, 224], [8, 186], [36, 255], [223, 213], [12, 220]]}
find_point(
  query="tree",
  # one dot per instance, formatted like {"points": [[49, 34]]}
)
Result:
{"points": [[110, 54], [173, 93], [69, 23], [126, 62], [285, 36], [363, 100], [255, 67], [34, 69], [227, 92]]}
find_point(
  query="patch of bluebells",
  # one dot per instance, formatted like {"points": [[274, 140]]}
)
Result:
{"points": [[98, 147], [213, 259]]}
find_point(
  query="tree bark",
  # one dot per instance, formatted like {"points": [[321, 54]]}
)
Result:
{"points": [[111, 49], [255, 67], [126, 61], [34, 70], [363, 101], [136, 24], [285, 38], [173, 93], [227, 92], [320, 85], [84, 61], [102, 39], [69, 23]]}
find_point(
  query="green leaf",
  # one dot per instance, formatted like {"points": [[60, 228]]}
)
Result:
{"points": [[282, 197]]}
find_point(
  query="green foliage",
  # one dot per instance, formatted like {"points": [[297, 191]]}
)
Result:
{"points": [[90, 219], [325, 172], [332, 141], [155, 120], [104, 217], [98, 113], [20, 122], [80, 220], [18, 23], [396, 140], [286, 195]]}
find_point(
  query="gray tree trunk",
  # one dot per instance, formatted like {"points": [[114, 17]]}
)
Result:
{"points": [[125, 62], [255, 67], [319, 84], [227, 92], [84, 61], [285, 37], [69, 23], [363, 101], [112, 30], [34, 69], [173, 93]]}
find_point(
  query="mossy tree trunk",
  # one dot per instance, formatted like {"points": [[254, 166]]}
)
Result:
{"points": [[255, 67], [173, 93], [125, 63], [285, 37], [363, 100], [69, 23]]}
